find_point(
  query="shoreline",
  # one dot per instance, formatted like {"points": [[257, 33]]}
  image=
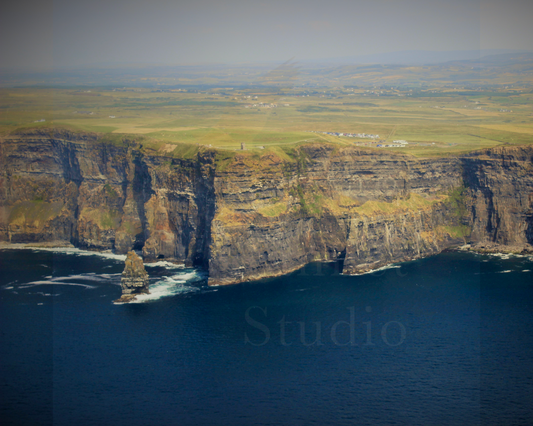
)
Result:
{"points": [[487, 248], [495, 248], [44, 244], [67, 247]]}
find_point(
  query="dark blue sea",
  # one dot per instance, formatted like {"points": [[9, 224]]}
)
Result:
{"points": [[446, 340]]}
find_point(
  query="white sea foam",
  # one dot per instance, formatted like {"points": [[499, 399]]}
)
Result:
{"points": [[107, 255], [165, 264], [51, 282], [505, 256], [505, 272], [86, 277], [71, 280], [383, 268], [189, 276], [67, 250], [163, 288], [526, 270], [180, 283]]}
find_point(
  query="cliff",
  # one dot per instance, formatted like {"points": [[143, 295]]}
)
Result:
{"points": [[247, 215], [500, 198], [60, 185], [370, 208]]}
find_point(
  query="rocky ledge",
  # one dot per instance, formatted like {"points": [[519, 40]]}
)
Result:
{"points": [[494, 248], [134, 279]]}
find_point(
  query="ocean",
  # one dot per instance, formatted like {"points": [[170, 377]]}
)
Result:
{"points": [[446, 340]]}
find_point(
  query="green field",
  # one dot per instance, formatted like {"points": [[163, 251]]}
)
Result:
{"points": [[434, 121]]}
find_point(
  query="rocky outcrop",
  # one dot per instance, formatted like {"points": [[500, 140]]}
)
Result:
{"points": [[246, 215], [134, 278]]}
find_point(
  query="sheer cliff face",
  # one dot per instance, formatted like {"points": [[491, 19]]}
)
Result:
{"points": [[70, 187], [251, 215], [369, 208], [500, 201]]}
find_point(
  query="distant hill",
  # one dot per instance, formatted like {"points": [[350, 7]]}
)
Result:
{"points": [[474, 68], [420, 57], [503, 59]]}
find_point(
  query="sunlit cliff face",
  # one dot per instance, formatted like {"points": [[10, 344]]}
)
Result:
{"points": [[246, 215]]}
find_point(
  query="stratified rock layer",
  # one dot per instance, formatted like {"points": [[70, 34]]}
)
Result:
{"points": [[249, 215], [500, 197], [134, 278]]}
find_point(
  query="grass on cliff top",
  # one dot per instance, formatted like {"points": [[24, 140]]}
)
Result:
{"points": [[453, 123], [271, 157]]}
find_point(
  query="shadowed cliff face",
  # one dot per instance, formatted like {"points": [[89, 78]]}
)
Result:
{"points": [[248, 215], [69, 187], [500, 195]]}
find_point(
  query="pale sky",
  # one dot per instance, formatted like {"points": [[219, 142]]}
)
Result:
{"points": [[36, 34]]}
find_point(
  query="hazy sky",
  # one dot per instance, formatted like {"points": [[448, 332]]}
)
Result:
{"points": [[73, 33]]}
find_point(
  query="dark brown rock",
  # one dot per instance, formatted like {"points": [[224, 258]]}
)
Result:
{"points": [[134, 279]]}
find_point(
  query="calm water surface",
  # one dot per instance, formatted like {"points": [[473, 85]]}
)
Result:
{"points": [[446, 340]]}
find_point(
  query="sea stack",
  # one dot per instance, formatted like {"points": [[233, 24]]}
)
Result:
{"points": [[134, 279]]}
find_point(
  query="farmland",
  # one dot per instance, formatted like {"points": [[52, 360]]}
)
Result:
{"points": [[434, 121]]}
